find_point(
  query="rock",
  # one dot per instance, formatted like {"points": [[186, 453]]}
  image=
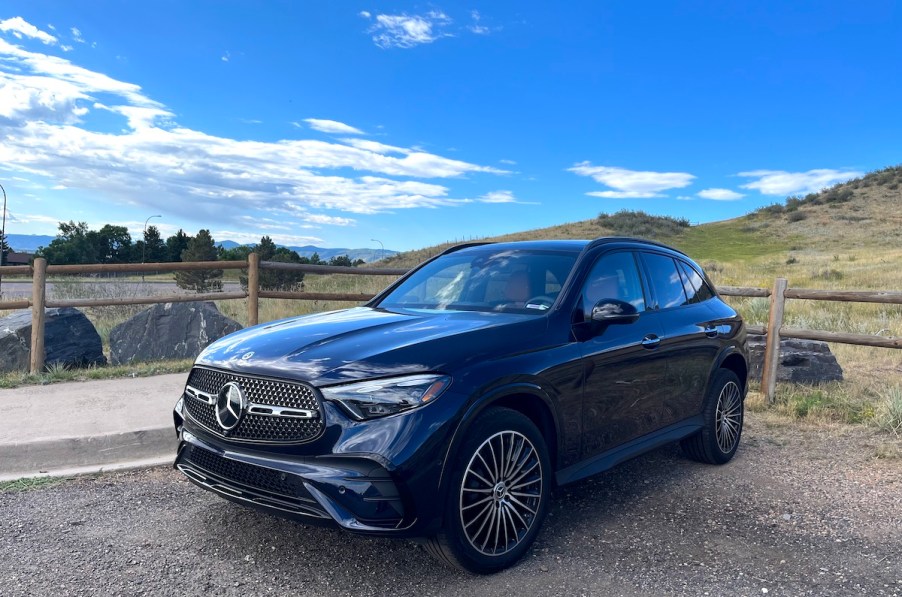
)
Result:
{"points": [[801, 361], [169, 331], [69, 339]]}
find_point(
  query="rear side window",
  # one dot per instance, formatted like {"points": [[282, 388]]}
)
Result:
{"points": [[695, 286], [666, 280]]}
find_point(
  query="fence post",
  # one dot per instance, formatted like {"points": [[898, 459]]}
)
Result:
{"points": [[772, 340], [38, 296], [253, 289]]}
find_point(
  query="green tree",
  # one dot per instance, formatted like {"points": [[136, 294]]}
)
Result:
{"points": [[341, 260], [238, 253], [71, 245], [200, 248], [4, 249], [155, 250], [176, 244], [273, 279], [111, 244]]}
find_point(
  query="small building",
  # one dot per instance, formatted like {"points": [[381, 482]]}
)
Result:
{"points": [[13, 258]]}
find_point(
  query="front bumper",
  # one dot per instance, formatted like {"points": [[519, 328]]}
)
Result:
{"points": [[355, 493]]}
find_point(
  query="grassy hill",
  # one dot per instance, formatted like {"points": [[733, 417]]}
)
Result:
{"points": [[849, 233]]}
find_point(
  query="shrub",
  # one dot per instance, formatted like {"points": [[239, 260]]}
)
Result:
{"points": [[774, 209], [796, 216], [888, 414], [639, 223], [791, 260], [828, 274]]}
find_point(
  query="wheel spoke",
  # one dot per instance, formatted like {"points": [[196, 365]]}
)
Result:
{"points": [[479, 516], [481, 478], [478, 502], [524, 474]]}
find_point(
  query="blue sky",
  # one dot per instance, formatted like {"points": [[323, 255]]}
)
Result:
{"points": [[334, 123]]}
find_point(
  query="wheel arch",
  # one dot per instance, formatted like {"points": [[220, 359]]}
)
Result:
{"points": [[529, 400], [736, 363]]}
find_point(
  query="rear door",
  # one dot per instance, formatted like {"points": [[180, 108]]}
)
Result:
{"points": [[689, 343]]}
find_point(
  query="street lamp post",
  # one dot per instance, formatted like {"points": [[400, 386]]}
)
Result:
{"points": [[3, 237], [144, 242], [382, 252]]}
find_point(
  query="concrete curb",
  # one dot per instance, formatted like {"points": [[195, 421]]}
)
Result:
{"points": [[75, 455]]}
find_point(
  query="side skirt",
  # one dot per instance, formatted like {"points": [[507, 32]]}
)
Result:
{"points": [[631, 449]]}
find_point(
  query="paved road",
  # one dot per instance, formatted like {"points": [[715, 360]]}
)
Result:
{"points": [[796, 513]]}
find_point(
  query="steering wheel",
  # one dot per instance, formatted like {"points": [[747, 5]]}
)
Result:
{"points": [[542, 299]]}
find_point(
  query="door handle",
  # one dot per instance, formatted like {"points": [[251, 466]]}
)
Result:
{"points": [[650, 341], [711, 331]]}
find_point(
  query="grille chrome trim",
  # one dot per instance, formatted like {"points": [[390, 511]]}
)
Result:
{"points": [[264, 410]]}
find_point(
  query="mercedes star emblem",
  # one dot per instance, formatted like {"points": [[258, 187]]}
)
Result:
{"points": [[230, 405]]}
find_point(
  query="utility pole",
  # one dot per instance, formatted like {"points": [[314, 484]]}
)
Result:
{"points": [[144, 242]]}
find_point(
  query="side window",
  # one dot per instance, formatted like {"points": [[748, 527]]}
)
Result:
{"points": [[614, 276], [666, 280], [695, 284]]}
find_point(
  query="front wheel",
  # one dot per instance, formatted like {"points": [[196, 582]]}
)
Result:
{"points": [[499, 493], [723, 416]]}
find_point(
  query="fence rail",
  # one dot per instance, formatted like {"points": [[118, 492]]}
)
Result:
{"points": [[773, 331]]}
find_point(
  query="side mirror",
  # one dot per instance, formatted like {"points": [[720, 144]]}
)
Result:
{"points": [[614, 311]]}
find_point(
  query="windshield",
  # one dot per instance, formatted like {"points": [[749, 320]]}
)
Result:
{"points": [[486, 280]]}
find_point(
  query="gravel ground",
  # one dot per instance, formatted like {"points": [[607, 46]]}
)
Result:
{"points": [[797, 512]]}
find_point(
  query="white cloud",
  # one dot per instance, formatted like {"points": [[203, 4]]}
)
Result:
{"points": [[245, 237], [20, 28], [720, 194], [149, 161], [498, 197], [406, 31], [780, 182], [365, 14], [332, 127], [632, 184], [508, 162], [31, 218], [76, 35], [475, 26]]}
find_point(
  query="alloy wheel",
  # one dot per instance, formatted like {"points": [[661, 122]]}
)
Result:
{"points": [[728, 417], [501, 493]]}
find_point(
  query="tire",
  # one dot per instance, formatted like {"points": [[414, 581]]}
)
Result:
{"points": [[500, 486], [723, 415]]}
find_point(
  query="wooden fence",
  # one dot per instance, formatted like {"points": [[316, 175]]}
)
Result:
{"points": [[773, 331]]}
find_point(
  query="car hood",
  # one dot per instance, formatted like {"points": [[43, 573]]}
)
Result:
{"points": [[365, 343]]}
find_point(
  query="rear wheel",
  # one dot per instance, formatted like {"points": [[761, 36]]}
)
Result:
{"points": [[499, 493], [723, 416]]}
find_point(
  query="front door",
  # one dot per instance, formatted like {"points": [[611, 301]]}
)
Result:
{"points": [[625, 372]]}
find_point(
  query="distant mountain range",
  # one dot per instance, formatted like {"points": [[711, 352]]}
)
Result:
{"points": [[29, 243]]}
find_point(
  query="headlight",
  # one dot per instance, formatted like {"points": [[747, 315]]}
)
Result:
{"points": [[381, 397]]}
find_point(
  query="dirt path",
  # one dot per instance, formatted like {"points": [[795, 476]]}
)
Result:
{"points": [[798, 512]]}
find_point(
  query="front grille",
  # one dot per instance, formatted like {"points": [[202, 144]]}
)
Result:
{"points": [[269, 392]]}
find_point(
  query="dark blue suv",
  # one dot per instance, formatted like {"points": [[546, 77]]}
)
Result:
{"points": [[450, 405]]}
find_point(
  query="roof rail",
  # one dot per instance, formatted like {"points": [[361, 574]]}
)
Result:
{"points": [[609, 239]]}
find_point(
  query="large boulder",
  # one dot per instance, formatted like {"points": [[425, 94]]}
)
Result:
{"points": [[69, 339], [801, 361], [169, 331]]}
